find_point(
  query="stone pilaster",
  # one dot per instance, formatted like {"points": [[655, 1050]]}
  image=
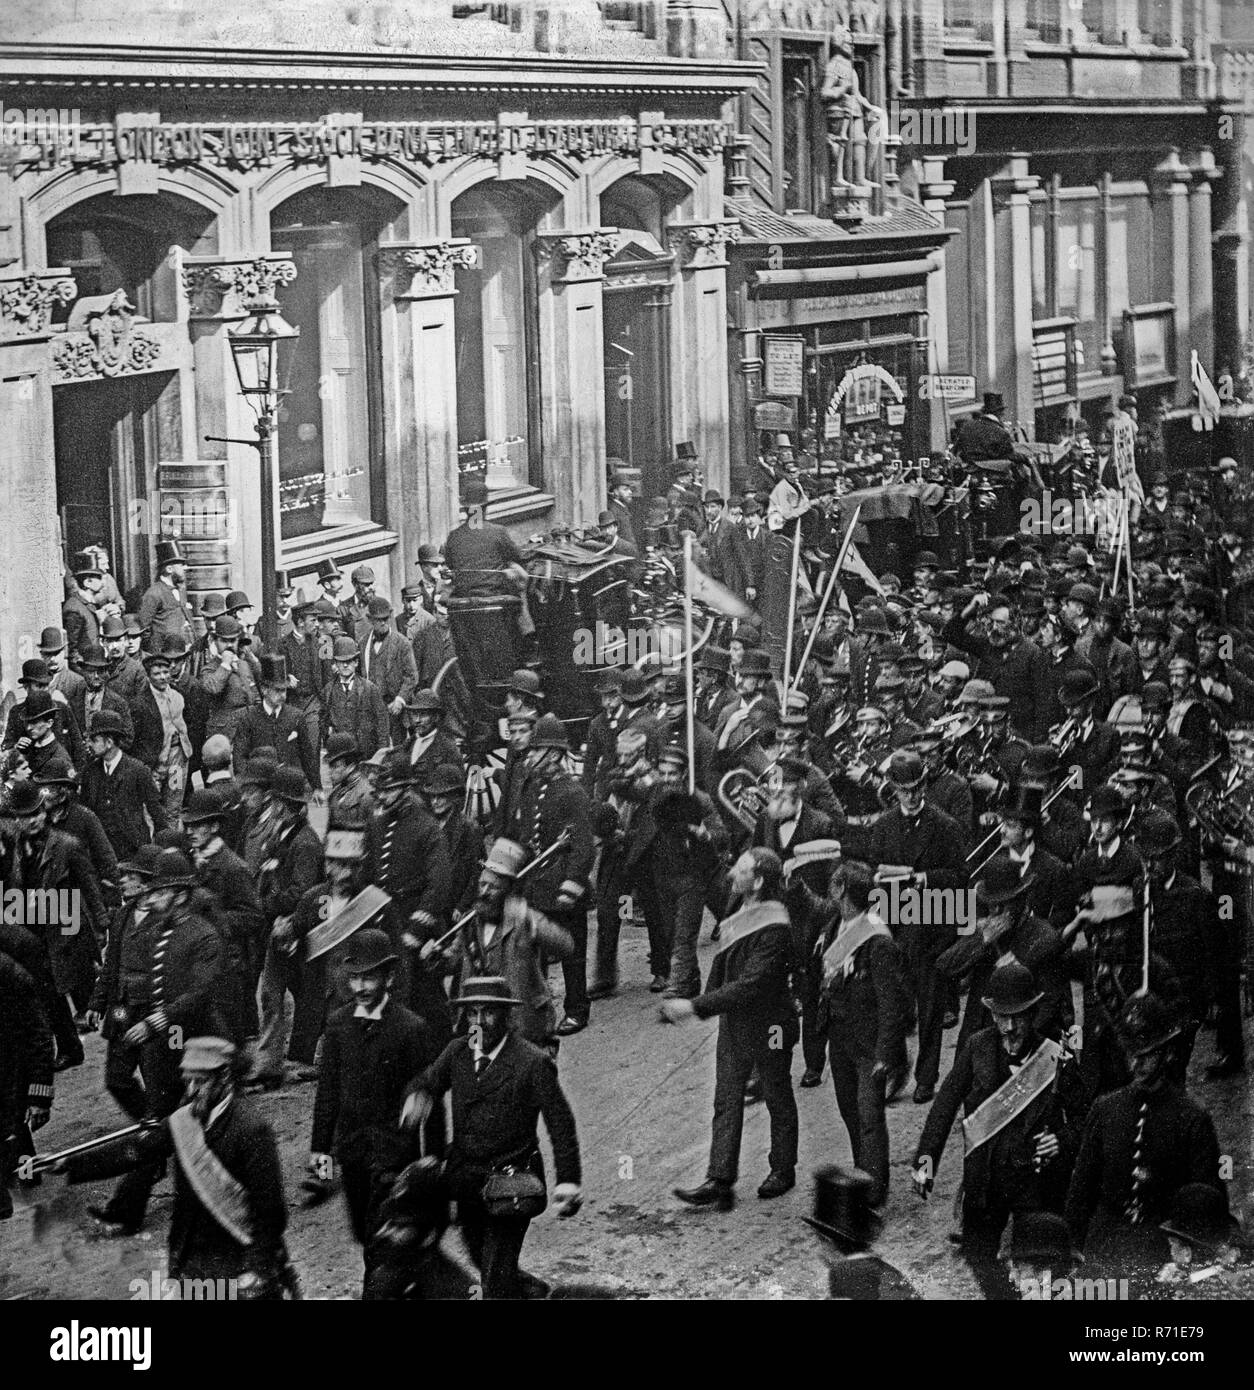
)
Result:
{"points": [[1169, 200], [30, 551], [570, 275], [701, 408], [1201, 270], [417, 285], [1012, 281], [934, 188]]}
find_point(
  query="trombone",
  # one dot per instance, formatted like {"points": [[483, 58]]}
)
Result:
{"points": [[996, 831]]}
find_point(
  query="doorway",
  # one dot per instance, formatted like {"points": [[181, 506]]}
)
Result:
{"points": [[637, 410], [109, 436]]}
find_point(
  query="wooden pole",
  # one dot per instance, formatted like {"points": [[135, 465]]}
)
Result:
{"points": [[688, 676], [827, 594], [792, 606]]}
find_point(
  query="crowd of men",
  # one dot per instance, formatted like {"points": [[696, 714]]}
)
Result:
{"points": [[1084, 770]]}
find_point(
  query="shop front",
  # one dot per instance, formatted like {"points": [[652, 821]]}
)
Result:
{"points": [[516, 297]]}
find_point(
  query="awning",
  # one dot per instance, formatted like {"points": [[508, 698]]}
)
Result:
{"points": [[812, 275]]}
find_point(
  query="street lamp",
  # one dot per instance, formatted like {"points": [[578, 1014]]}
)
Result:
{"points": [[263, 349]]}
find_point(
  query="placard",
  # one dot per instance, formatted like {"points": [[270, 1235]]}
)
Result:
{"points": [[784, 366]]}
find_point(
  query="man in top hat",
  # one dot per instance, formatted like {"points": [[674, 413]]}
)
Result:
{"points": [[331, 582], [843, 1214], [1093, 744], [1024, 1102], [351, 704], [748, 991], [79, 615], [443, 792], [229, 1211], [229, 676], [120, 789], [982, 437], [1205, 1241], [915, 836], [500, 1086], [428, 744], [372, 1048], [163, 609], [285, 599], [1005, 927], [37, 681], [292, 866], [162, 740], [387, 659], [1140, 1146], [432, 590], [864, 1013], [551, 805], [275, 724], [172, 977], [407, 857], [508, 938]]}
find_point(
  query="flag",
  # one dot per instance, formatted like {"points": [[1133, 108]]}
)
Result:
{"points": [[855, 564], [1207, 396], [714, 595]]}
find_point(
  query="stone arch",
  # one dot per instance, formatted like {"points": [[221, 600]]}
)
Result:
{"points": [[390, 176], [548, 176]]}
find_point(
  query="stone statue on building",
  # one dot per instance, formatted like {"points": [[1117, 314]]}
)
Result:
{"points": [[852, 120]]}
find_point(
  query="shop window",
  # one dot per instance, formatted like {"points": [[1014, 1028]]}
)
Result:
{"points": [[967, 19], [1130, 254], [494, 325], [1044, 19], [330, 428], [1077, 275], [1101, 19], [1155, 20]]}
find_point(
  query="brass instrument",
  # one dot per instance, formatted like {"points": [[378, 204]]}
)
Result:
{"points": [[1218, 813], [743, 794], [1065, 735], [996, 831]]}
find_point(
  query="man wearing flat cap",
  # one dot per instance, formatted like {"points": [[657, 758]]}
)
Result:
{"points": [[500, 1086], [229, 676], [1024, 1102], [229, 1211]]}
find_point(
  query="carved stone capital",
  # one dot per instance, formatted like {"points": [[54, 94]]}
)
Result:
{"points": [[219, 289], [1011, 189], [702, 245], [26, 303], [424, 269], [577, 256]]}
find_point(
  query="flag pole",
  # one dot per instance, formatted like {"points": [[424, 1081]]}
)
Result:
{"points": [[792, 607], [1145, 945], [1127, 535], [688, 678], [823, 602]]}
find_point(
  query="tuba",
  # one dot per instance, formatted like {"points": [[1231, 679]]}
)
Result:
{"points": [[1218, 813], [743, 795]]}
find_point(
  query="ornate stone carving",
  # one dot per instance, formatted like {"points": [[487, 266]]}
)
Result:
{"points": [[26, 304], [578, 256], [700, 245], [103, 341], [223, 289], [424, 270]]}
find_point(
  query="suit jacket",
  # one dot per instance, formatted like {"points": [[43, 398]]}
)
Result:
{"points": [[366, 1068], [465, 852], [81, 624], [392, 668], [441, 749], [128, 678], [1017, 671], [164, 613], [748, 561], [869, 1011], [359, 711], [65, 729], [120, 800], [407, 857], [286, 733], [520, 953], [309, 670], [229, 692], [297, 854], [600, 748], [431, 644], [1002, 1170], [748, 982], [173, 972], [496, 1114], [110, 700], [226, 876], [931, 844]]}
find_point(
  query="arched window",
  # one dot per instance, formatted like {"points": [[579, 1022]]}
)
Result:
{"points": [[330, 425]]}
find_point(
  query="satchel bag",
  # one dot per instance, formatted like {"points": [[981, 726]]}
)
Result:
{"points": [[517, 1192]]}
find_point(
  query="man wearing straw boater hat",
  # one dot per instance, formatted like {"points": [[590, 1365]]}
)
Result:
{"points": [[500, 1086], [1023, 1102]]}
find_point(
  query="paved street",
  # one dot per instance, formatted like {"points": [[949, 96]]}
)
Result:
{"points": [[642, 1096]]}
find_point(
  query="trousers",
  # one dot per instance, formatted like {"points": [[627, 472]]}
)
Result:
{"points": [[283, 974], [732, 1068], [575, 966], [681, 906], [922, 945], [495, 1244], [163, 1089], [860, 1100]]}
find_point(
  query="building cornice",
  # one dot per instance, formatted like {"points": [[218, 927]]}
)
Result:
{"points": [[122, 66]]}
